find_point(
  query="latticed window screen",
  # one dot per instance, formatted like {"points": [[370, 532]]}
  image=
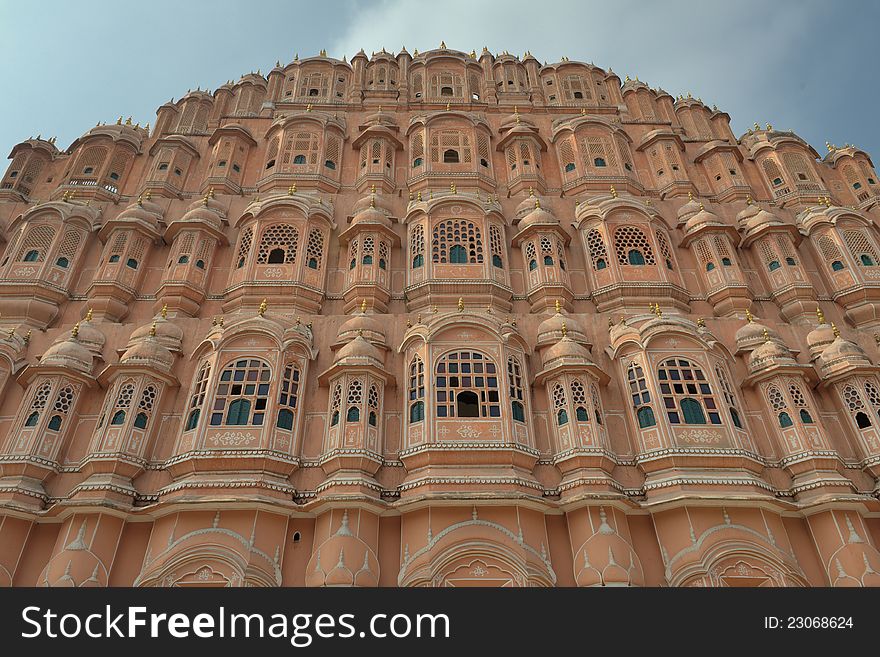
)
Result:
{"points": [[447, 83], [280, 236], [38, 403], [383, 254], [560, 405], [597, 403], [417, 85], [417, 244], [90, 162], [646, 105], [354, 399], [15, 169], [873, 395], [579, 401], [416, 390], [686, 393], [595, 150], [704, 253], [244, 246], [772, 171], [39, 239], [853, 399], [776, 399], [300, 151], [272, 153], [497, 245], [483, 148], [315, 249], [373, 405], [860, 246], [665, 251], [451, 140], [729, 395], [575, 88], [467, 386], [242, 394], [630, 238], [797, 165], [828, 248], [34, 166], [335, 405], [567, 160], [721, 246], [118, 164], [596, 246], [457, 236], [314, 85], [783, 242], [331, 155]]}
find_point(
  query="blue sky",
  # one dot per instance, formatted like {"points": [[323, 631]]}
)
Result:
{"points": [[806, 65]]}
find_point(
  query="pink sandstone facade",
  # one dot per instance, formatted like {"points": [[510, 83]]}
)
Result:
{"points": [[440, 319]]}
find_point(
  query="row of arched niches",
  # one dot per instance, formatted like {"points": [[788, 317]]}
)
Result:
{"points": [[537, 325]]}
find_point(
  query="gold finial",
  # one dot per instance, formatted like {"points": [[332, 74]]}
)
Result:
{"points": [[558, 306], [537, 204], [220, 321], [27, 337], [149, 195], [74, 332], [119, 121], [766, 335], [701, 322], [373, 188], [165, 311], [309, 107], [443, 45], [153, 330], [749, 317], [372, 200], [434, 309], [12, 332], [140, 200], [460, 304], [489, 308], [516, 113], [263, 307], [757, 127], [419, 198], [323, 52], [613, 192], [363, 306], [820, 315], [749, 199], [419, 318], [452, 188], [835, 329], [610, 323], [690, 196], [447, 106], [531, 191], [564, 330], [360, 332], [657, 310], [410, 196], [205, 201], [214, 320], [408, 323], [769, 126], [89, 315], [701, 205]]}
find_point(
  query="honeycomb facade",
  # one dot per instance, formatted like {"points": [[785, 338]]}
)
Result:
{"points": [[440, 319]]}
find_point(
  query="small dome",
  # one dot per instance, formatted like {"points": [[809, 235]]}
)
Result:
{"points": [[750, 335], [550, 330], [526, 206], [702, 218], [688, 209], [70, 354], [566, 350], [819, 338], [362, 324], [143, 209], [90, 335], [514, 120], [360, 350], [169, 334], [149, 351], [537, 216], [767, 354], [206, 210], [747, 213], [378, 201], [843, 349], [371, 215]]}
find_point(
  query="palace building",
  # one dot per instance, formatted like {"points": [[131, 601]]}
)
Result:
{"points": [[439, 319]]}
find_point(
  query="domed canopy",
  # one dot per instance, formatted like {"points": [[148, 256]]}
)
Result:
{"points": [[688, 209], [143, 210], [359, 351], [70, 354], [770, 353], [363, 324], [564, 352], [205, 210], [752, 334], [168, 334], [150, 352], [526, 206], [820, 337], [90, 335], [537, 216], [550, 331], [375, 202], [702, 218], [842, 352]]}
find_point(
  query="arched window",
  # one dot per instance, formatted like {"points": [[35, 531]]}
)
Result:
{"points": [[515, 381], [197, 399], [243, 391], [353, 414], [784, 420], [866, 260], [118, 418], [640, 395], [561, 417], [569, 167], [276, 256], [373, 406], [635, 257], [582, 415], [416, 390], [32, 419], [597, 403], [354, 400], [458, 254], [54, 423], [300, 159], [862, 420], [450, 156], [645, 416], [599, 162], [496, 245], [140, 421], [686, 393], [417, 411], [467, 382], [287, 396], [806, 418], [32, 256], [579, 401], [278, 244], [335, 404], [533, 265], [774, 265], [729, 396], [63, 262], [837, 265], [710, 266], [182, 260]]}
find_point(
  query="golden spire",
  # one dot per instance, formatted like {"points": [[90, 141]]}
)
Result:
{"points": [[564, 330], [419, 198], [309, 107], [220, 321], [408, 323], [290, 191], [373, 188], [447, 106], [153, 330], [516, 113], [452, 188], [820, 315], [835, 329], [360, 332], [766, 335], [372, 200], [364, 305], [27, 337], [140, 200], [489, 308], [657, 310], [701, 322], [690, 196], [701, 206], [613, 192], [263, 307], [749, 199], [558, 306], [75, 331], [443, 45], [460, 304], [749, 317], [165, 311], [89, 315], [537, 204]]}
